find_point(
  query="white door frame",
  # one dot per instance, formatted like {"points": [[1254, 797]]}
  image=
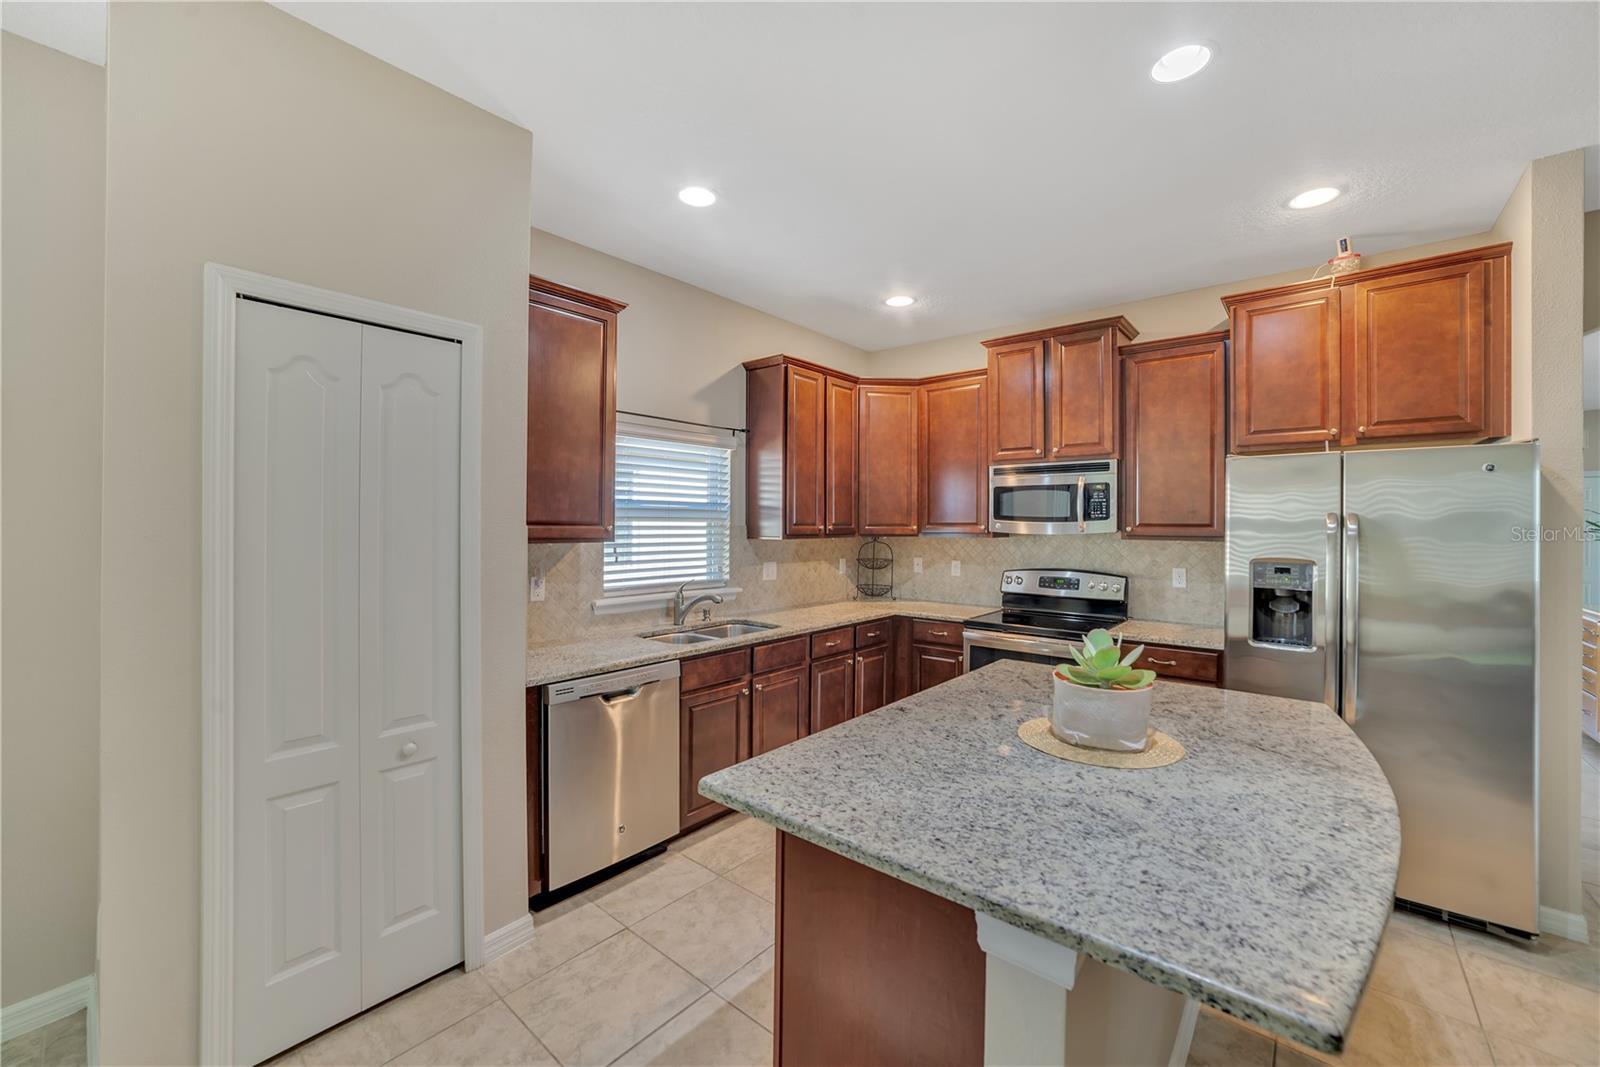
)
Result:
{"points": [[222, 286]]}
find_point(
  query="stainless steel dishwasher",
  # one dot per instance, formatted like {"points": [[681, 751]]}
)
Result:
{"points": [[610, 768]]}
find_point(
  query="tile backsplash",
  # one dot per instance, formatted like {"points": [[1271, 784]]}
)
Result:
{"points": [[808, 573]]}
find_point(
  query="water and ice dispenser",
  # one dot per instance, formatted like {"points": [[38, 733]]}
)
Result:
{"points": [[1280, 602]]}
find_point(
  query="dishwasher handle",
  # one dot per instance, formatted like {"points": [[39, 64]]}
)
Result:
{"points": [[621, 696]]}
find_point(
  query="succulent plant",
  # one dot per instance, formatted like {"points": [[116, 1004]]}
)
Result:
{"points": [[1101, 664]]}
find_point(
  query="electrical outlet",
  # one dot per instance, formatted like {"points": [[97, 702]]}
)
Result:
{"points": [[916, 564], [535, 587], [1180, 578], [955, 568], [769, 572], [842, 568]]}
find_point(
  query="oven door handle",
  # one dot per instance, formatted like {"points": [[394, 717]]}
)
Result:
{"points": [[1038, 646]]}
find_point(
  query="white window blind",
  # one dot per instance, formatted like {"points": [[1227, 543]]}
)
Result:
{"points": [[672, 515]]}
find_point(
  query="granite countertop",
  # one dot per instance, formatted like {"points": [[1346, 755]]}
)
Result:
{"points": [[1255, 875], [555, 663], [615, 652]]}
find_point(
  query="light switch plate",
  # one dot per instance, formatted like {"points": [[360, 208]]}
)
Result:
{"points": [[955, 568], [1180, 578], [842, 568], [916, 564], [769, 572], [535, 587]]}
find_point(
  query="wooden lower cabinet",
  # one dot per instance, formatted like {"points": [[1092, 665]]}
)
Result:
{"points": [[713, 732], [535, 792], [933, 664], [833, 691], [870, 970], [1194, 665], [873, 670], [780, 708]]}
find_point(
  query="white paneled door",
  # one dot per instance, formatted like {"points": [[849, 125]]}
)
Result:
{"points": [[347, 812], [410, 670]]}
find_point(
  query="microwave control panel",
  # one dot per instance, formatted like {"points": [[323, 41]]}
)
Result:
{"points": [[1097, 501]]}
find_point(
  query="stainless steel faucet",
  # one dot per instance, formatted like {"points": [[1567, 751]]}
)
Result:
{"points": [[680, 609]]}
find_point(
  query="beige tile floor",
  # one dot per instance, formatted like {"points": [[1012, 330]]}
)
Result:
{"points": [[668, 963], [671, 963], [63, 1043]]}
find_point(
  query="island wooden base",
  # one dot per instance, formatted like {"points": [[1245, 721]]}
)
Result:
{"points": [[874, 972]]}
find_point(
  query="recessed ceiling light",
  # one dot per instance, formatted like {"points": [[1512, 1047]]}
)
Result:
{"points": [[1314, 197], [1180, 63], [697, 196], [900, 301]]}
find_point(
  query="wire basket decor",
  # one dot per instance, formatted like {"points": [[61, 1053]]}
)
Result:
{"points": [[875, 569]]}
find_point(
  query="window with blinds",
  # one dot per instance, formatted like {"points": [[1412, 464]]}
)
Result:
{"points": [[673, 513]]}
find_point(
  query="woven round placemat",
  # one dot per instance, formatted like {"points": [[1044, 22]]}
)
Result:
{"points": [[1162, 750]]}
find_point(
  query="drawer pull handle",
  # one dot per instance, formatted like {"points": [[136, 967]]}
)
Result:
{"points": [[829, 644], [1164, 662], [940, 633]]}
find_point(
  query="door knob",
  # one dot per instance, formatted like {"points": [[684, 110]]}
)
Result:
{"points": [[408, 750]]}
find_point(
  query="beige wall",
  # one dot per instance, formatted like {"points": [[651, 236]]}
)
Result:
{"points": [[1543, 219], [1171, 315], [54, 269], [1591, 271], [240, 135]]}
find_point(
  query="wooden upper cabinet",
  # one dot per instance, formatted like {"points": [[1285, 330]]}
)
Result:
{"points": [[1053, 393], [572, 413], [1174, 447], [886, 459], [1285, 367], [839, 458], [805, 473], [800, 450], [1080, 385], [1016, 401], [1428, 350], [954, 417], [1410, 351]]}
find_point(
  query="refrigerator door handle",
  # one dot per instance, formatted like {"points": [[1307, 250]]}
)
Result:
{"points": [[1330, 668], [1352, 613]]}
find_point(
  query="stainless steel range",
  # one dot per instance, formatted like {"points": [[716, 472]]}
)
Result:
{"points": [[1041, 612]]}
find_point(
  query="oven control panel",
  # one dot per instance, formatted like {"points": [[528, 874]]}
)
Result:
{"points": [[1084, 584]]}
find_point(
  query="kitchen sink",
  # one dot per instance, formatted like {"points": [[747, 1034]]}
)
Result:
{"points": [[735, 629], [685, 638]]}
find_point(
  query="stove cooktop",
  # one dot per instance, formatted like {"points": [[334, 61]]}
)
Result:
{"points": [[1043, 623]]}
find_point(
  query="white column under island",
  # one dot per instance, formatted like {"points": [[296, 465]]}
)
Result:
{"points": [[948, 895]]}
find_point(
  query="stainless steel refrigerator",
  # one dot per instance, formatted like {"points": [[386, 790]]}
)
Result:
{"points": [[1400, 587]]}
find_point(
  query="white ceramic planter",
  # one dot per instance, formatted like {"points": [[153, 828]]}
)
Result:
{"points": [[1116, 719]]}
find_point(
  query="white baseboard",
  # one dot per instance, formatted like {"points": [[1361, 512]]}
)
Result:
{"points": [[513, 935], [1573, 927], [58, 1003]]}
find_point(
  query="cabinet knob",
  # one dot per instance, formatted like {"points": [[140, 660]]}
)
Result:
{"points": [[1361, 429], [1332, 430], [408, 750], [746, 691], [1128, 529]]}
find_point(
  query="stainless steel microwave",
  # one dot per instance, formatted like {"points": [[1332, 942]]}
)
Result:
{"points": [[1053, 498]]}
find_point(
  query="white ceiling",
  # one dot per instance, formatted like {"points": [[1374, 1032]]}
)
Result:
{"points": [[1001, 162], [78, 29]]}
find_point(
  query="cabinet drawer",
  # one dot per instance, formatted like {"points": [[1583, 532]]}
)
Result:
{"points": [[1182, 664], [832, 642], [935, 633], [872, 633], [775, 655], [1590, 680], [1591, 657], [702, 671]]}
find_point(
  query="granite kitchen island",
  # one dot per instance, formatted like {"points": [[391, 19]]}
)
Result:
{"points": [[947, 894]]}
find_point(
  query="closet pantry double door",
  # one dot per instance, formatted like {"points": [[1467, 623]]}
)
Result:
{"points": [[347, 809]]}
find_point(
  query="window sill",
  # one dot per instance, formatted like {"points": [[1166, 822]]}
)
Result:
{"points": [[629, 602]]}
